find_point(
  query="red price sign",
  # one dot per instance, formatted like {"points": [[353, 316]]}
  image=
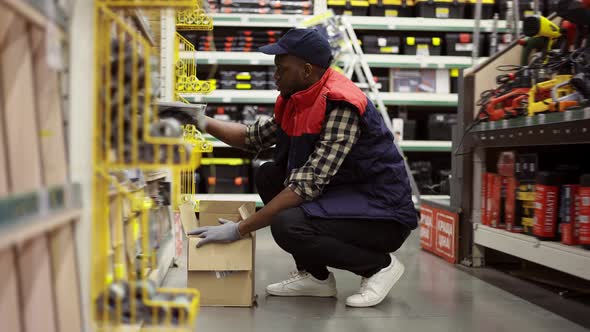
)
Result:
{"points": [[439, 232], [427, 228]]}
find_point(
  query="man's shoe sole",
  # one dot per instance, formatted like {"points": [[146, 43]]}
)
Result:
{"points": [[291, 294], [393, 281]]}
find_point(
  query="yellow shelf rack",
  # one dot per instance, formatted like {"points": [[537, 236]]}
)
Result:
{"points": [[129, 134]]}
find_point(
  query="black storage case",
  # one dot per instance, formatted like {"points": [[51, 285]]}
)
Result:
{"points": [[377, 44], [440, 126], [349, 7], [461, 44], [526, 8], [440, 8], [415, 45], [391, 8], [226, 177], [487, 9]]}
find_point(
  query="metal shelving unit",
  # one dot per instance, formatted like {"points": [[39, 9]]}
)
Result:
{"points": [[374, 60], [571, 127], [269, 97]]}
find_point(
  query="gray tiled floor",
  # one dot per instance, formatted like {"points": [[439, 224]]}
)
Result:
{"points": [[431, 296]]}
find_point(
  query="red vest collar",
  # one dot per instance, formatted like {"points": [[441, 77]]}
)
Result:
{"points": [[307, 97]]}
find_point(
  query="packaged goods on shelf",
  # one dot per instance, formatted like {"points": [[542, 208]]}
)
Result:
{"points": [[291, 5], [461, 44], [244, 10], [547, 189], [293, 11], [487, 9], [424, 46], [391, 8], [527, 8], [420, 80], [223, 273], [584, 214], [569, 211], [404, 128], [379, 44], [245, 3], [225, 113], [243, 85], [349, 7], [440, 8], [440, 126], [225, 175], [253, 75]]}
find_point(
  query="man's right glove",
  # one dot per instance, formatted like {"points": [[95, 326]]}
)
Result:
{"points": [[185, 113]]}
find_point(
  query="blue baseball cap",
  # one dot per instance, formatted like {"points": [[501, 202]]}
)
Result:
{"points": [[306, 44]]}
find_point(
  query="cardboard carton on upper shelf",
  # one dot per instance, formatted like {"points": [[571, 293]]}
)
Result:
{"points": [[222, 272]]}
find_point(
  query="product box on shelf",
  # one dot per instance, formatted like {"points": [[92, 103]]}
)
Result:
{"points": [[224, 273], [461, 44], [419, 80], [440, 8], [391, 8], [224, 113], [253, 75], [225, 175], [378, 44], [487, 9], [547, 190], [569, 211], [440, 126], [584, 208], [424, 46], [349, 7]]}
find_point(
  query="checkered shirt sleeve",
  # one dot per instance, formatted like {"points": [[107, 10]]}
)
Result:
{"points": [[261, 135], [341, 131]]}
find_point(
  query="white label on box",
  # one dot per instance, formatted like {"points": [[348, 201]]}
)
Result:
{"points": [[422, 49], [222, 274], [381, 42], [442, 12], [404, 88], [463, 47]]}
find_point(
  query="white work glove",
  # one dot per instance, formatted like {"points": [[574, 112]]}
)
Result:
{"points": [[184, 113], [226, 232]]}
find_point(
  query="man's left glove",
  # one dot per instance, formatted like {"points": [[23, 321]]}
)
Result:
{"points": [[226, 232]]}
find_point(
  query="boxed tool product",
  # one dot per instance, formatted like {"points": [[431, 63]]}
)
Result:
{"points": [[349, 7], [225, 175], [487, 9], [527, 8], [569, 211], [440, 8], [391, 8], [584, 206], [379, 44], [419, 80], [424, 46], [440, 126], [547, 191], [245, 3], [461, 44], [224, 273]]}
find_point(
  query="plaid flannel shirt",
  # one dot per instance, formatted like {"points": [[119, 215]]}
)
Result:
{"points": [[341, 131]]}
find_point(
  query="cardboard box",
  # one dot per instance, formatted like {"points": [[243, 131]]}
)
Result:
{"points": [[222, 272]]}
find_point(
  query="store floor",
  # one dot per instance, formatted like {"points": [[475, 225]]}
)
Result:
{"points": [[431, 296]]}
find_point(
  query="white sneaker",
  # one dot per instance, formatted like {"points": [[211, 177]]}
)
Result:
{"points": [[302, 283], [374, 289]]}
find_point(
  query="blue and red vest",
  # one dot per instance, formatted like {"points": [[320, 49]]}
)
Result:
{"points": [[372, 182]]}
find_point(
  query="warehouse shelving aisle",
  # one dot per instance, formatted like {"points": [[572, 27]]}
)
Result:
{"points": [[431, 296]]}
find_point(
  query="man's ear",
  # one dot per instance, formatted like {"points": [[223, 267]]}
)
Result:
{"points": [[308, 68]]}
